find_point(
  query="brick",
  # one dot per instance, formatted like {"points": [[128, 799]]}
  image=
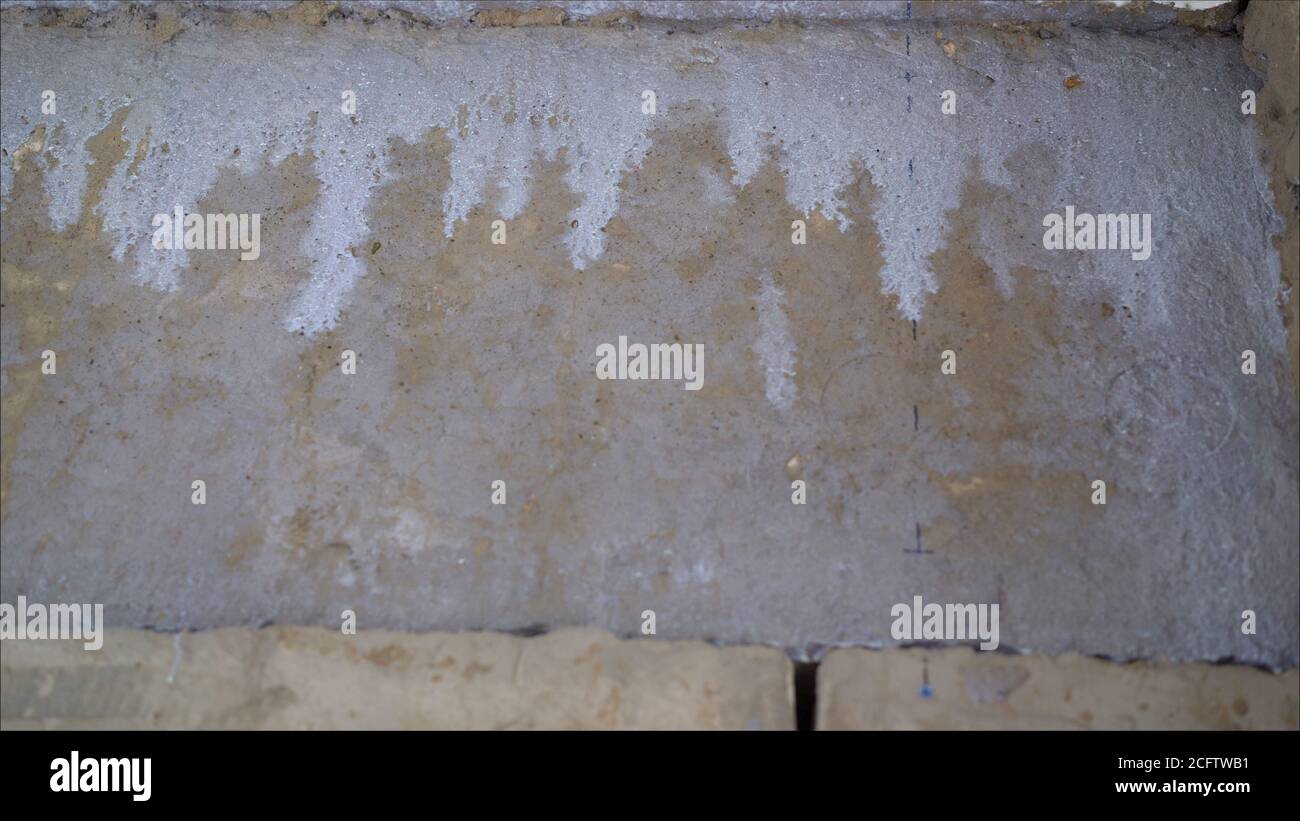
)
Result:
{"points": [[969, 690], [305, 678]]}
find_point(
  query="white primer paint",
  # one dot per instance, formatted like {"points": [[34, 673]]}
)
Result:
{"points": [[775, 346], [823, 105]]}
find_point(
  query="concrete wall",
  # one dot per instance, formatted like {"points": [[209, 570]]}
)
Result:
{"points": [[372, 491]]}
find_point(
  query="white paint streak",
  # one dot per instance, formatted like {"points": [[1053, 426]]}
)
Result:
{"points": [[775, 347], [581, 103], [825, 106], [176, 658]]}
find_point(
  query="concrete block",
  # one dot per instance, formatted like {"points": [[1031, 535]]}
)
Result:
{"points": [[371, 491], [963, 689], [310, 678]]}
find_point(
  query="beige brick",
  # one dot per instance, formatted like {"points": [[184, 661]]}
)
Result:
{"points": [[315, 678], [881, 690]]}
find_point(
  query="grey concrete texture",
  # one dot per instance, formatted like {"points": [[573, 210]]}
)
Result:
{"points": [[310, 678], [372, 491], [1128, 15]]}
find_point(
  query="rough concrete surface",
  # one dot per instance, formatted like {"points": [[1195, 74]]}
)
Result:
{"points": [[961, 689], [1271, 46], [309, 678], [372, 491]]}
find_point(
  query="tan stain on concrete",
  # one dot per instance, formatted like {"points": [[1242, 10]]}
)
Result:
{"points": [[32, 147], [388, 655], [999, 343], [514, 18], [184, 391], [38, 299], [285, 195], [248, 542]]}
